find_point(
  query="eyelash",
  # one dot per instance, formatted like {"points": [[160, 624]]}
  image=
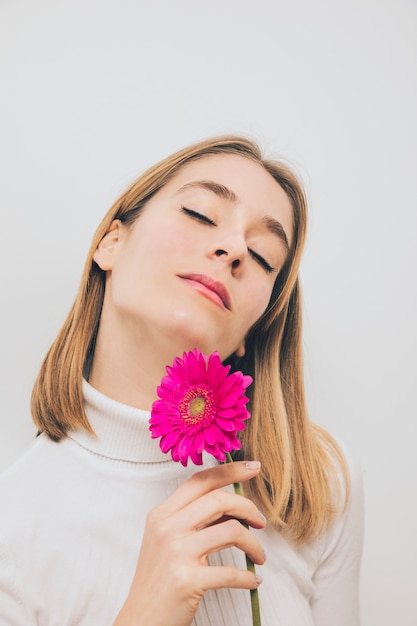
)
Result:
{"points": [[262, 262], [198, 216], [206, 220]]}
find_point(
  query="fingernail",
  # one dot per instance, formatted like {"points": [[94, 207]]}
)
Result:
{"points": [[258, 578], [262, 516], [252, 465]]}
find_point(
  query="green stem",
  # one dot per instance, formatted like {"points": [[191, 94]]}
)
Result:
{"points": [[254, 596]]}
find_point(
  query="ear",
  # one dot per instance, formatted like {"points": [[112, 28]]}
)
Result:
{"points": [[240, 351], [104, 254]]}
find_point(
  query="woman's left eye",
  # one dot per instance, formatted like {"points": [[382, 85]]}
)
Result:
{"points": [[198, 216], [262, 262]]}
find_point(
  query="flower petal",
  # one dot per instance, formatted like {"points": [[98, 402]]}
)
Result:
{"points": [[225, 424], [199, 442], [196, 457], [168, 441], [214, 430], [209, 435], [184, 450]]}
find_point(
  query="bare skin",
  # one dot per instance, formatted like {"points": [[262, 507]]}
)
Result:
{"points": [[199, 518]]}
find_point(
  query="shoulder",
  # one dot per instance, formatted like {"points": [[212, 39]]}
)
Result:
{"points": [[22, 484], [343, 469], [27, 459], [345, 532], [351, 480]]}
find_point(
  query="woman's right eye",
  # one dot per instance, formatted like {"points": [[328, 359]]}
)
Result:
{"points": [[197, 216]]}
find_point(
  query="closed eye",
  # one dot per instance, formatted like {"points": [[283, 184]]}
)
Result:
{"points": [[262, 262], [198, 216]]}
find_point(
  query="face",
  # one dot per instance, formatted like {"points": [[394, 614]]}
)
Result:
{"points": [[197, 268]]}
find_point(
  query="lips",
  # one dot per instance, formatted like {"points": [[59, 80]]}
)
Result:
{"points": [[211, 288]]}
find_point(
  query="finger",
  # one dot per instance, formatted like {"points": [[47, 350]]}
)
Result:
{"points": [[214, 506], [214, 577], [207, 480], [222, 536]]}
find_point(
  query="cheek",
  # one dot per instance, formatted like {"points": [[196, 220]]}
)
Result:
{"points": [[166, 240], [257, 303]]}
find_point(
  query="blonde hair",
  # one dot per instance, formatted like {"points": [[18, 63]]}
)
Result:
{"points": [[300, 462]]}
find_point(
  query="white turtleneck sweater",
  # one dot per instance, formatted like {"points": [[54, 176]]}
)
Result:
{"points": [[71, 521]]}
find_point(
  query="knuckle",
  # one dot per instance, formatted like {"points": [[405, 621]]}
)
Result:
{"points": [[161, 531], [235, 528], [185, 583], [174, 551], [183, 578], [218, 496], [198, 478], [157, 527], [152, 517]]}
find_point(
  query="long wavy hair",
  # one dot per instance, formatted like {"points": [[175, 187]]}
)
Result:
{"points": [[301, 463]]}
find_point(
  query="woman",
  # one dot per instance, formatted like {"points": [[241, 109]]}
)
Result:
{"points": [[98, 525]]}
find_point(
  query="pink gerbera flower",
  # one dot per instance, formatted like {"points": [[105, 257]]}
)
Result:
{"points": [[201, 407]]}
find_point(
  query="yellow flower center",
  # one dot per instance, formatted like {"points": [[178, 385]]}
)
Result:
{"points": [[196, 406]]}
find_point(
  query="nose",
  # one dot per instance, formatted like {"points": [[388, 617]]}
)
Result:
{"points": [[230, 249]]}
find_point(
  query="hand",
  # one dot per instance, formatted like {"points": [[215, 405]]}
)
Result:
{"points": [[197, 519]]}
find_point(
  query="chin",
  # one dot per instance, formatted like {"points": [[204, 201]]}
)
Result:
{"points": [[190, 339], [189, 330]]}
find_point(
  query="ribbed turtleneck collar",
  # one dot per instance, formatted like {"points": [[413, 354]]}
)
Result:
{"points": [[121, 431]]}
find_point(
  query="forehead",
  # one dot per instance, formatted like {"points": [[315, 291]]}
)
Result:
{"points": [[252, 184]]}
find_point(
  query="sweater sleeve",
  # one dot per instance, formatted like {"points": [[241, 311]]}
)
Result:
{"points": [[336, 597], [12, 610]]}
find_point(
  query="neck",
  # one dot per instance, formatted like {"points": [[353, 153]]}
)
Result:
{"points": [[128, 367], [130, 383]]}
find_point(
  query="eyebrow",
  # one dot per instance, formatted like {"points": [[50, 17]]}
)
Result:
{"points": [[271, 224], [209, 185], [276, 228]]}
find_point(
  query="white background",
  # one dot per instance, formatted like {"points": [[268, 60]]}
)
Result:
{"points": [[94, 91]]}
